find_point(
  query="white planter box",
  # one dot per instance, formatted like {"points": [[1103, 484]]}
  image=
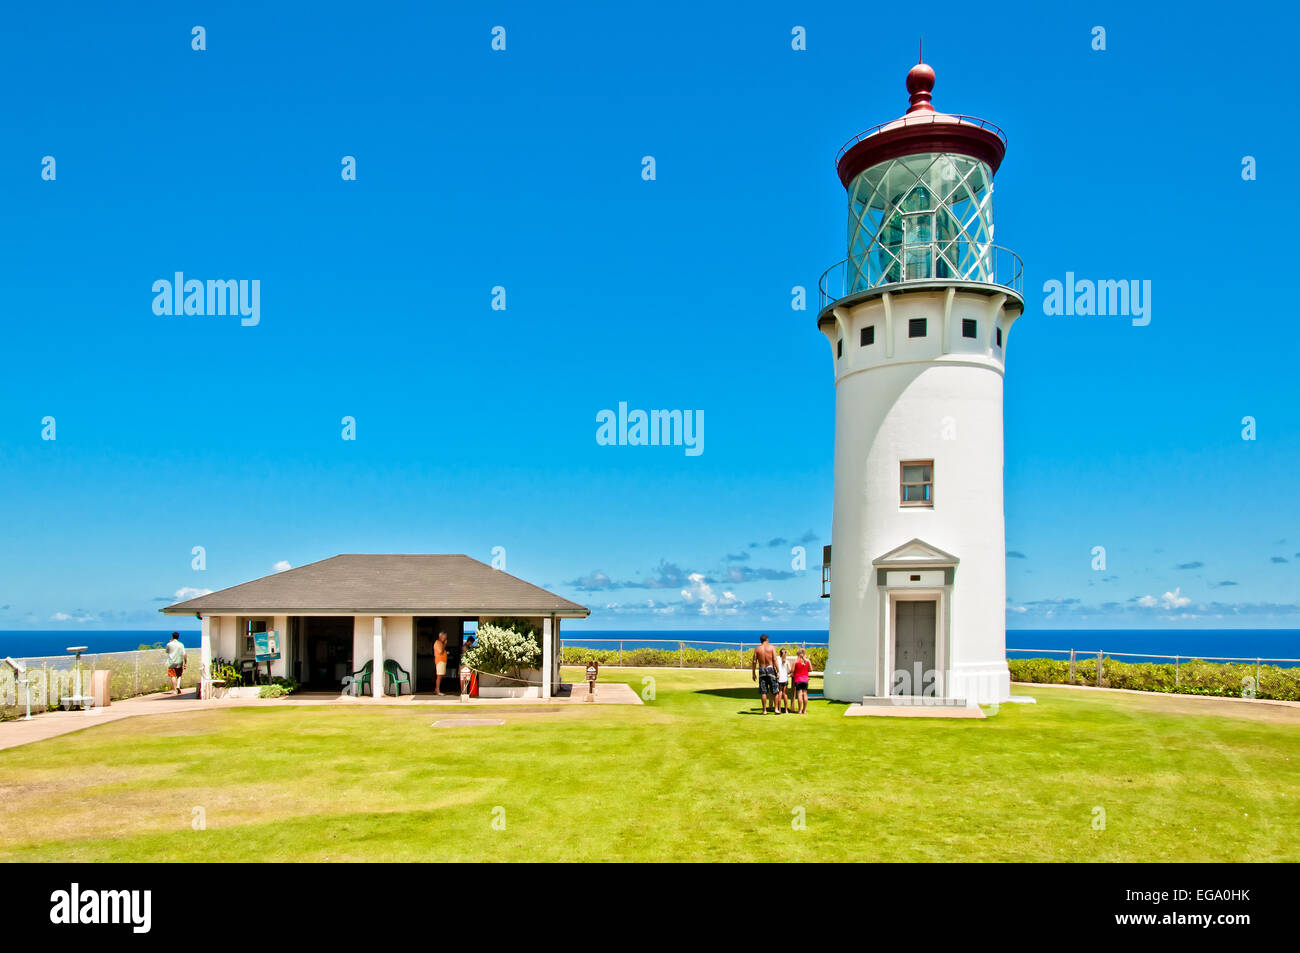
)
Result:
{"points": [[495, 686], [244, 691], [522, 691]]}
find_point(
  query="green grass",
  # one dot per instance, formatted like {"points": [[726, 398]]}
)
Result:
{"points": [[693, 775]]}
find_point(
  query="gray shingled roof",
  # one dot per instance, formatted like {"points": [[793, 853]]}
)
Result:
{"points": [[355, 584]]}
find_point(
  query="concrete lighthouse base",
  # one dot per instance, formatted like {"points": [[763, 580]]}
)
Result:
{"points": [[976, 684]]}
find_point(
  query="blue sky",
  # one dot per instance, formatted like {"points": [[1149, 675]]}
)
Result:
{"points": [[522, 169]]}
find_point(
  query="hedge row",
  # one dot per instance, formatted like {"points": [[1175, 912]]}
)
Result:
{"points": [[688, 657], [1194, 677]]}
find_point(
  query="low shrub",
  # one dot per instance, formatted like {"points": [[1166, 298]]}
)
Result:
{"points": [[278, 688]]}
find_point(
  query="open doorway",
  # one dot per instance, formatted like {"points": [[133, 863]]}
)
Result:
{"points": [[327, 658], [426, 635]]}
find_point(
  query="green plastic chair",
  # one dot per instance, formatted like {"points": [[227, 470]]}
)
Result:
{"points": [[398, 677], [361, 677]]}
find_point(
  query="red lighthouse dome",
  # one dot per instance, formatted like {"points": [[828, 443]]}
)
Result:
{"points": [[921, 130]]}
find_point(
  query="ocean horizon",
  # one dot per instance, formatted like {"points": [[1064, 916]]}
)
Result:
{"points": [[1021, 643]]}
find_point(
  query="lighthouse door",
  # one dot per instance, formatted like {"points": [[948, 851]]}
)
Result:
{"points": [[914, 638]]}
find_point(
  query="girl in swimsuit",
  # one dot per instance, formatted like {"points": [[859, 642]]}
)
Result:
{"points": [[802, 669]]}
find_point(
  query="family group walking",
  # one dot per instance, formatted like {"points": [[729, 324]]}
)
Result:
{"points": [[773, 671]]}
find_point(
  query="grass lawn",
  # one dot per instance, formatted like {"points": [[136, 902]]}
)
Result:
{"points": [[693, 775]]}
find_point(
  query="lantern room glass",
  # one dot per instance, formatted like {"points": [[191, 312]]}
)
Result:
{"points": [[920, 217]]}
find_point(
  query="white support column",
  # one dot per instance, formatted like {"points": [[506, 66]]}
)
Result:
{"points": [[547, 653], [377, 665], [205, 657]]}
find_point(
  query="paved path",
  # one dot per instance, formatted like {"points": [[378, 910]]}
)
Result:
{"points": [[54, 723]]}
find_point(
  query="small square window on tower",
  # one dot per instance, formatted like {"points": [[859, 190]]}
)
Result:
{"points": [[916, 327], [916, 483], [839, 348], [999, 337], [968, 327], [868, 336]]}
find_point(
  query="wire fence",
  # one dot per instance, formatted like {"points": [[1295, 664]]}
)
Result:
{"points": [[1076, 654], [1256, 677], [693, 653], [50, 678]]}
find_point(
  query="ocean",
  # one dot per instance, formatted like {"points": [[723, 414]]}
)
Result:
{"points": [[1117, 643]]}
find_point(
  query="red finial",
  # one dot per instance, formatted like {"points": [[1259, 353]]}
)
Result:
{"points": [[920, 81]]}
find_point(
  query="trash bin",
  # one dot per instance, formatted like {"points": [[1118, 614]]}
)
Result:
{"points": [[101, 680]]}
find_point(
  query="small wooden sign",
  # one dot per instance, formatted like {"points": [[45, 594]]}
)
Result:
{"points": [[465, 673], [592, 669]]}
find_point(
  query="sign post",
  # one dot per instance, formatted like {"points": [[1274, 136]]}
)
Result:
{"points": [[266, 646], [593, 669]]}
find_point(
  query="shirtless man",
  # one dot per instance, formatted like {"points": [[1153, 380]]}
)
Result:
{"points": [[763, 669]]}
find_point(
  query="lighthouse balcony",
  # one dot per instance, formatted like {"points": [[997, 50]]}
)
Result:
{"points": [[913, 266]]}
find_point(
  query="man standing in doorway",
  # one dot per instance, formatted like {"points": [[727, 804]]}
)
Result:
{"points": [[763, 669], [439, 661], [175, 661]]}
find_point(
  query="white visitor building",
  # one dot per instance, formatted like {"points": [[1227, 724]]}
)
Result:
{"points": [[918, 318], [333, 616]]}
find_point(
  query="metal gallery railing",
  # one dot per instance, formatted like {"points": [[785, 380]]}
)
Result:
{"points": [[901, 264], [921, 119]]}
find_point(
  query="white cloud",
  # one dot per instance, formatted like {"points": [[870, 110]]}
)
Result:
{"points": [[699, 594], [281, 566], [64, 617], [1168, 601], [188, 592]]}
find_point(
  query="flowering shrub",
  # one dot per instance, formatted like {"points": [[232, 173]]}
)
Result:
{"points": [[503, 651]]}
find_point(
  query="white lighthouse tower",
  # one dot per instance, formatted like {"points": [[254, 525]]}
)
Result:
{"points": [[918, 318]]}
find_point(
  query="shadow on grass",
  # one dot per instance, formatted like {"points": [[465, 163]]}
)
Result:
{"points": [[751, 695]]}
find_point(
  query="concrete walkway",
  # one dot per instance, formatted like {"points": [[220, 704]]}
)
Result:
{"points": [[54, 723]]}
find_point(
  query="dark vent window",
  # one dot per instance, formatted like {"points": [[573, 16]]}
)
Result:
{"points": [[868, 335], [917, 483], [999, 337], [916, 328], [968, 327], [839, 348]]}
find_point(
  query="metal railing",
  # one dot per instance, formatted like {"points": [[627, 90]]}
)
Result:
{"points": [[681, 646], [51, 677], [922, 119], [951, 260]]}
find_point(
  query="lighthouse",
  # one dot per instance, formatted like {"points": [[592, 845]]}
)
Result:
{"points": [[918, 317]]}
